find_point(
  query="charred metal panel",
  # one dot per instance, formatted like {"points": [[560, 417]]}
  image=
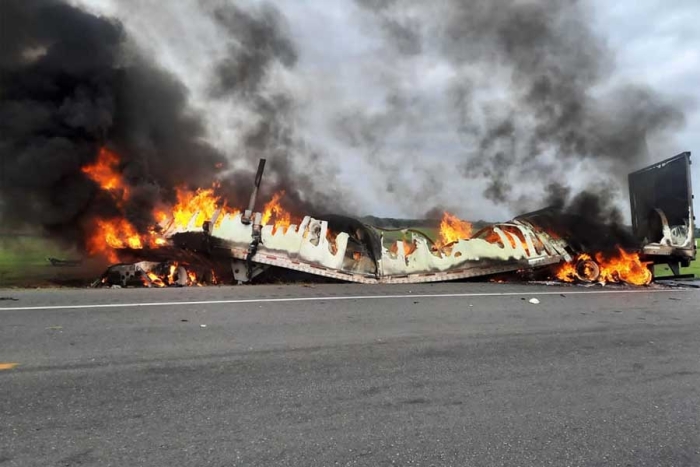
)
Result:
{"points": [[513, 243], [344, 248], [661, 202]]}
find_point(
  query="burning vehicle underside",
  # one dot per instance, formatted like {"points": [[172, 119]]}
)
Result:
{"points": [[204, 241]]}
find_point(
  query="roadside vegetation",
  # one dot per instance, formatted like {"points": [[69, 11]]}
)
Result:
{"points": [[694, 268], [24, 257]]}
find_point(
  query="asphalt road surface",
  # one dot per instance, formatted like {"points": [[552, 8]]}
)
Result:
{"points": [[444, 374]]}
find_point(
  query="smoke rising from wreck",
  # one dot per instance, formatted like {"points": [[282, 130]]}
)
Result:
{"points": [[259, 41], [552, 107], [72, 82], [528, 98]]}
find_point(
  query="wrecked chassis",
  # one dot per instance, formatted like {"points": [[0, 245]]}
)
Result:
{"points": [[347, 249], [357, 252]]}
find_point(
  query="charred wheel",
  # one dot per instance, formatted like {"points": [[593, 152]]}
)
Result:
{"points": [[587, 270]]}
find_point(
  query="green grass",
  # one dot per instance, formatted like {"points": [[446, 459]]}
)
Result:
{"points": [[23, 259], [390, 236], [27, 250], [694, 268]]}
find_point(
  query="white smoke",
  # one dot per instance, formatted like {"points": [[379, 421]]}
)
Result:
{"points": [[384, 120]]}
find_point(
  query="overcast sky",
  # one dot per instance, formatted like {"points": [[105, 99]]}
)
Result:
{"points": [[658, 43], [345, 69]]}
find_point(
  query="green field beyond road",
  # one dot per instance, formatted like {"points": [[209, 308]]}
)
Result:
{"points": [[694, 267], [24, 257]]}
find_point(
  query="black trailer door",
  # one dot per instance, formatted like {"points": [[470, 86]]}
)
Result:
{"points": [[661, 201]]}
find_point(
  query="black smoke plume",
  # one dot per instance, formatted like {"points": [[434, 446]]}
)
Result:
{"points": [[588, 220], [560, 109], [71, 83], [260, 41]]}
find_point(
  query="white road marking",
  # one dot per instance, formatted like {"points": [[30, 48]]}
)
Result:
{"points": [[348, 297]]}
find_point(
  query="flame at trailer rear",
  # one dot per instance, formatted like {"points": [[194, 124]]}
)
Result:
{"points": [[618, 267], [625, 267]]}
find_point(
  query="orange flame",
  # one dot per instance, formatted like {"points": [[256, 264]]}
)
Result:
{"points": [[191, 209], [408, 247], [155, 280], [203, 203], [452, 229], [108, 234], [620, 267], [167, 275], [104, 171], [160, 214], [566, 272], [198, 206], [331, 237], [274, 211], [171, 273], [192, 276]]}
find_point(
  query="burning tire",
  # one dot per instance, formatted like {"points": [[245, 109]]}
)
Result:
{"points": [[587, 270]]}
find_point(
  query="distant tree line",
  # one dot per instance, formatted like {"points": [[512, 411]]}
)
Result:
{"points": [[394, 223]]}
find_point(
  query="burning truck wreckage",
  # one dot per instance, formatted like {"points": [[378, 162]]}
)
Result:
{"points": [[202, 240]]}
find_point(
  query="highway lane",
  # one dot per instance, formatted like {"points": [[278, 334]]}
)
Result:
{"points": [[442, 374]]}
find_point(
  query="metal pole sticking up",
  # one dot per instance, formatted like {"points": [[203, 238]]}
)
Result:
{"points": [[248, 214], [247, 218]]}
